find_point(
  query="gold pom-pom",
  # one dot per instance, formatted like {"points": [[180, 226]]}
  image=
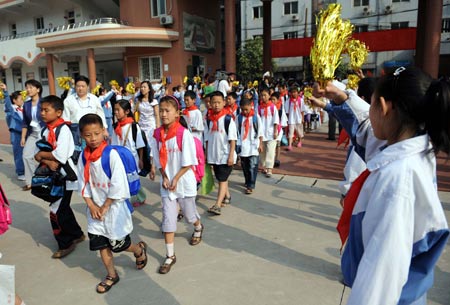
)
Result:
{"points": [[197, 79], [64, 82], [185, 79], [130, 88], [114, 83], [358, 52], [235, 83], [249, 85], [164, 81], [24, 94], [2, 95], [331, 39], [255, 84], [353, 81], [96, 90]]}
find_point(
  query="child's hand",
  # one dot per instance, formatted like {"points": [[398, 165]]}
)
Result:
{"points": [[141, 164], [230, 161], [331, 92], [275, 134], [152, 173], [166, 183], [173, 185], [95, 212], [53, 165], [22, 142], [103, 210], [38, 157], [3, 86], [261, 147], [317, 102]]}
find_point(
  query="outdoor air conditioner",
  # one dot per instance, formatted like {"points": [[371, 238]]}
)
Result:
{"points": [[294, 18], [166, 20], [366, 11], [388, 9]]}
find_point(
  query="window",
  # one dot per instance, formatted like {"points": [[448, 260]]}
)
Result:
{"points": [[150, 68], [360, 2], [257, 12], [361, 28], [158, 7], [13, 29], [70, 17], [445, 25], [400, 0], [73, 69], [291, 8], [399, 25], [290, 35], [43, 75], [39, 23]]}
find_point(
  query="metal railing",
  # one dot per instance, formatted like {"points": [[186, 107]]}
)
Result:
{"points": [[67, 27]]}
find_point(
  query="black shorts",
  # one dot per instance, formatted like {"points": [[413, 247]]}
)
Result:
{"points": [[99, 242], [222, 172]]}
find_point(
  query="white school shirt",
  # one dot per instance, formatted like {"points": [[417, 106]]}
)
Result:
{"points": [[295, 117], [75, 108], [117, 222], [218, 142], [147, 116], [267, 123], [130, 144], [64, 151], [249, 146], [176, 159], [195, 120]]}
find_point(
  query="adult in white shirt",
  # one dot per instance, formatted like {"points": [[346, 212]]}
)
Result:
{"points": [[225, 85]]}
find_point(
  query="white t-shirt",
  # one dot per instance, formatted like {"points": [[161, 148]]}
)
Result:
{"points": [[195, 120], [295, 113], [269, 121], [75, 108], [224, 87], [218, 142], [147, 116], [129, 143], [117, 222], [249, 146], [176, 159]]}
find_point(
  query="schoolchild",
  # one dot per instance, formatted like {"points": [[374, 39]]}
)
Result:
{"points": [[105, 99], [250, 140], [108, 215], [295, 110], [66, 229], [270, 122], [14, 120], [123, 136], [220, 144], [231, 105], [178, 184], [277, 100], [31, 128], [393, 222], [192, 115]]}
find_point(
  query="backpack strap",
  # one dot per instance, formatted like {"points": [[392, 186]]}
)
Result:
{"points": [[227, 121], [105, 160], [134, 131], [179, 135]]}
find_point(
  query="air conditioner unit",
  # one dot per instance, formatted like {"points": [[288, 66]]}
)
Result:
{"points": [[295, 18], [366, 11], [388, 9], [166, 20]]}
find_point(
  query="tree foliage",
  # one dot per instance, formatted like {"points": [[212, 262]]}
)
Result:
{"points": [[250, 59]]}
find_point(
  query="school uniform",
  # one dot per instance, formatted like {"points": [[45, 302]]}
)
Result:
{"points": [[294, 110], [108, 109], [249, 149], [147, 120], [269, 117], [117, 223], [65, 226], [195, 120], [14, 120], [186, 190]]}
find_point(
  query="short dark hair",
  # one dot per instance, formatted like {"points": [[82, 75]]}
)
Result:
{"points": [[14, 96], [190, 94], [276, 95], [34, 83], [82, 78], [54, 101], [216, 93], [366, 87], [245, 102], [233, 95], [89, 119]]}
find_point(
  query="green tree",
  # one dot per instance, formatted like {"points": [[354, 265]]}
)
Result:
{"points": [[250, 59]]}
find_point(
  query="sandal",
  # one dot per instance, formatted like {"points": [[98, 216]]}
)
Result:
{"points": [[196, 237], [226, 200], [269, 173], [140, 264], [215, 210], [168, 263], [180, 216], [248, 191], [106, 287]]}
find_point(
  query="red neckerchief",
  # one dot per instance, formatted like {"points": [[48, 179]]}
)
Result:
{"points": [[214, 117], [296, 102], [51, 137], [249, 117], [190, 108], [343, 138], [279, 103], [231, 109], [265, 107], [343, 226], [172, 132], [91, 156], [120, 124]]}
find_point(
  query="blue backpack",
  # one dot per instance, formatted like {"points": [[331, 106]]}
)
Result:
{"points": [[129, 164]]}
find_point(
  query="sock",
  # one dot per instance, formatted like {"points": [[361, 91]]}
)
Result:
{"points": [[198, 228], [170, 250]]}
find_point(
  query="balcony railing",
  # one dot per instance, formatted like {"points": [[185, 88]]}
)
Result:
{"points": [[67, 27]]}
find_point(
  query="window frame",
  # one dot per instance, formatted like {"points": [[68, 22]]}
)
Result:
{"points": [[151, 77], [159, 10], [445, 28], [43, 76], [399, 25], [360, 3], [290, 6], [260, 12], [290, 35], [39, 23]]}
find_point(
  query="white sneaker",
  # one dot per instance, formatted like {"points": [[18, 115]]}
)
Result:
{"points": [[21, 178]]}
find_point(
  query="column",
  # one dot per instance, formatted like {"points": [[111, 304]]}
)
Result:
{"points": [[50, 74], [92, 75], [230, 34], [267, 35], [428, 37]]}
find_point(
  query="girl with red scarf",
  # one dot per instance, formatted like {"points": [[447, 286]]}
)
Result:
{"points": [[178, 184]]}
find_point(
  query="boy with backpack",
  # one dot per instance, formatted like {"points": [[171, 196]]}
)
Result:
{"points": [[66, 230], [108, 178], [192, 115], [250, 141], [220, 139]]}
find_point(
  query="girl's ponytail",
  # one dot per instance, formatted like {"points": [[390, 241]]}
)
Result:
{"points": [[437, 119]]}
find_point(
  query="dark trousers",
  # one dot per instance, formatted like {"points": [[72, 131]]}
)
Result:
{"points": [[331, 127], [65, 227], [18, 152], [250, 169]]}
